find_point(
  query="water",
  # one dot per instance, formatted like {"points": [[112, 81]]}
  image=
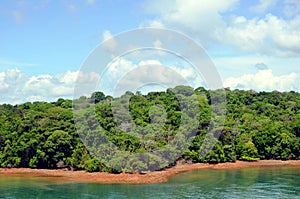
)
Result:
{"points": [[271, 182]]}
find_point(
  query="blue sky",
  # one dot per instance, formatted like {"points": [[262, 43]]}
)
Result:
{"points": [[43, 43]]}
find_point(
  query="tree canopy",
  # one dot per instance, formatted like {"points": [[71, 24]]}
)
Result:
{"points": [[258, 125]]}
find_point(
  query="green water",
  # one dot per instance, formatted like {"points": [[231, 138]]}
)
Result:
{"points": [[271, 182]]}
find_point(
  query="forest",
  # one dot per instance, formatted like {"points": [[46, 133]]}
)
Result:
{"points": [[152, 131]]}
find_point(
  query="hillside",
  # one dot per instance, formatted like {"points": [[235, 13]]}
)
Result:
{"points": [[257, 125]]}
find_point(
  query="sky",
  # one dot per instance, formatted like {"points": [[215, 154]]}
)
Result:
{"points": [[44, 43]]}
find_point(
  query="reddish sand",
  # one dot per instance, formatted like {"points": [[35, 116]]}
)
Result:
{"points": [[126, 178]]}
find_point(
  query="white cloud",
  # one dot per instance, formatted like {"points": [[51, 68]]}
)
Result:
{"points": [[271, 35], [47, 86], [213, 23], [3, 84], [106, 35], [153, 24], [14, 76], [263, 80], [123, 75], [263, 5], [119, 67], [11, 82], [109, 43], [149, 62], [237, 66], [122, 67], [16, 87], [152, 74], [191, 13], [68, 77], [193, 16], [35, 98], [84, 82]]}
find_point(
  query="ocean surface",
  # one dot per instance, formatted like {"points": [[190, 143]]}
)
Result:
{"points": [[270, 182]]}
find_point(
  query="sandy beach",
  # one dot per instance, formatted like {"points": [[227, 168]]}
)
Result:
{"points": [[127, 178]]}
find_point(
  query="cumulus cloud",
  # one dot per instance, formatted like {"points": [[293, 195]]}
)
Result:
{"points": [[108, 40], [47, 86], [16, 87], [3, 84], [196, 16], [270, 35], [123, 75], [213, 22], [263, 80], [153, 24], [11, 82], [106, 35]]}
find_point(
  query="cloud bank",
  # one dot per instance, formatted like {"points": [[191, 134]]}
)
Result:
{"points": [[215, 22], [16, 87], [263, 80]]}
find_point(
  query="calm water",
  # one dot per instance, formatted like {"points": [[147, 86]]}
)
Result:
{"points": [[272, 182]]}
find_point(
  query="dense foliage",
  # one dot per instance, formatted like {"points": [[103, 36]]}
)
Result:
{"points": [[264, 125]]}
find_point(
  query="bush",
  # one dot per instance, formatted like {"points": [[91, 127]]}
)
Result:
{"points": [[247, 158]]}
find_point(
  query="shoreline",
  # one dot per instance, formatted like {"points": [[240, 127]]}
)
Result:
{"points": [[136, 178]]}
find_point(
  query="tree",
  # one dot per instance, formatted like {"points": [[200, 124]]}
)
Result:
{"points": [[97, 97], [261, 125], [58, 146]]}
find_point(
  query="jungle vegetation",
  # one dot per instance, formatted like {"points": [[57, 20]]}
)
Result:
{"points": [[247, 126]]}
